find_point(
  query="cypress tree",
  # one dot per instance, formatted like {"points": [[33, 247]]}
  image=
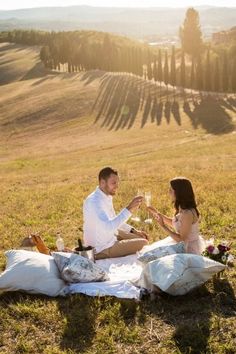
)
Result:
{"points": [[192, 75], [199, 74], [149, 71], [182, 70], [155, 73], [225, 73], [208, 85], [173, 68], [159, 67], [45, 56], [190, 33], [125, 60], [130, 60], [216, 75], [166, 69], [149, 67], [138, 62], [141, 62], [135, 61]]}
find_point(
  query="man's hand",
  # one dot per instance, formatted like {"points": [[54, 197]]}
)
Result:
{"points": [[135, 204], [141, 233]]}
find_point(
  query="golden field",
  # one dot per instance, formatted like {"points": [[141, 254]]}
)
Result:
{"points": [[57, 130]]}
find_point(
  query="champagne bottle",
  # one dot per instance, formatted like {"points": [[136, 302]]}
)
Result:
{"points": [[81, 248], [59, 242]]}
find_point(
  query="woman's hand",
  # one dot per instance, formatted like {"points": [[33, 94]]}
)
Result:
{"points": [[160, 219], [153, 211], [157, 216]]}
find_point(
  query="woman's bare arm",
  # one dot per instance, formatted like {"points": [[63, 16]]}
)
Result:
{"points": [[186, 220]]}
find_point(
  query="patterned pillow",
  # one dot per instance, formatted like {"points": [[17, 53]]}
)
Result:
{"points": [[75, 268], [161, 251]]}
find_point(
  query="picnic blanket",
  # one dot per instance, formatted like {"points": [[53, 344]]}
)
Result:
{"points": [[122, 271]]}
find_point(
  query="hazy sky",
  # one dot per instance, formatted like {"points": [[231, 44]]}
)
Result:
{"points": [[17, 4]]}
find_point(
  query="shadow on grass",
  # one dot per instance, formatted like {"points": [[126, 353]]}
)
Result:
{"points": [[90, 76], [81, 313], [121, 97], [210, 114], [232, 102], [192, 336], [38, 71], [189, 315], [185, 321], [78, 315], [8, 46]]}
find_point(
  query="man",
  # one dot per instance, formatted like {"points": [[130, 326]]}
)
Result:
{"points": [[103, 229]]}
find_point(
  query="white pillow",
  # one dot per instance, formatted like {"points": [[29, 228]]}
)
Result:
{"points": [[33, 272], [75, 268], [178, 274], [161, 251]]}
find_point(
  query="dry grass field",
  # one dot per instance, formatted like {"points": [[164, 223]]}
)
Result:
{"points": [[57, 130]]}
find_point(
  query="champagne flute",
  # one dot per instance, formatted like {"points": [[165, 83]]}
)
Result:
{"points": [[135, 216], [148, 198]]}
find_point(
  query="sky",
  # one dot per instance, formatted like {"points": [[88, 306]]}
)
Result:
{"points": [[20, 4]]}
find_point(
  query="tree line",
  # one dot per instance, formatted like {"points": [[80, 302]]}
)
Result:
{"points": [[75, 51], [205, 72], [196, 65]]}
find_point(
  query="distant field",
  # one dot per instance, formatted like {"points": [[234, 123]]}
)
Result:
{"points": [[56, 132]]}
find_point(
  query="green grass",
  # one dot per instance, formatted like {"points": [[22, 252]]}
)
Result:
{"points": [[46, 170]]}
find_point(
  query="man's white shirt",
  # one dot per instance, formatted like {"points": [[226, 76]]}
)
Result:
{"points": [[101, 223]]}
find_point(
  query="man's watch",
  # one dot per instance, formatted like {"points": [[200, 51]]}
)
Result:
{"points": [[132, 231]]}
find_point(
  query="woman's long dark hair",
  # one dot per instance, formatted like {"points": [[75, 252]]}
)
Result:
{"points": [[184, 194]]}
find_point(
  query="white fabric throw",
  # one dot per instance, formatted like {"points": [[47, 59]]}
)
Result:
{"points": [[121, 271]]}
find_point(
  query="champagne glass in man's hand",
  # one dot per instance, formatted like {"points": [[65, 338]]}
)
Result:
{"points": [[135, 204], [136, 217]]}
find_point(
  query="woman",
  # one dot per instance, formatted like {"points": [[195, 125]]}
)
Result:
{"points": [[184, 225]]}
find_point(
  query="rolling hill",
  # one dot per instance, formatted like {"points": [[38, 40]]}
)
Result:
{"points": [[36, 104]]}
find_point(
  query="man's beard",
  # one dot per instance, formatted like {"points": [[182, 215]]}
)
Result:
{"points": [[112, 193]]}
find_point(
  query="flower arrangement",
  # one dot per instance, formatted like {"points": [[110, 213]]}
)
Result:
{"points": [[218, 253]]}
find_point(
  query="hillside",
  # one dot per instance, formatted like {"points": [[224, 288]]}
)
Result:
{"points": [[60, 99], [57, 130], [19, 63], [55, 103]]}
